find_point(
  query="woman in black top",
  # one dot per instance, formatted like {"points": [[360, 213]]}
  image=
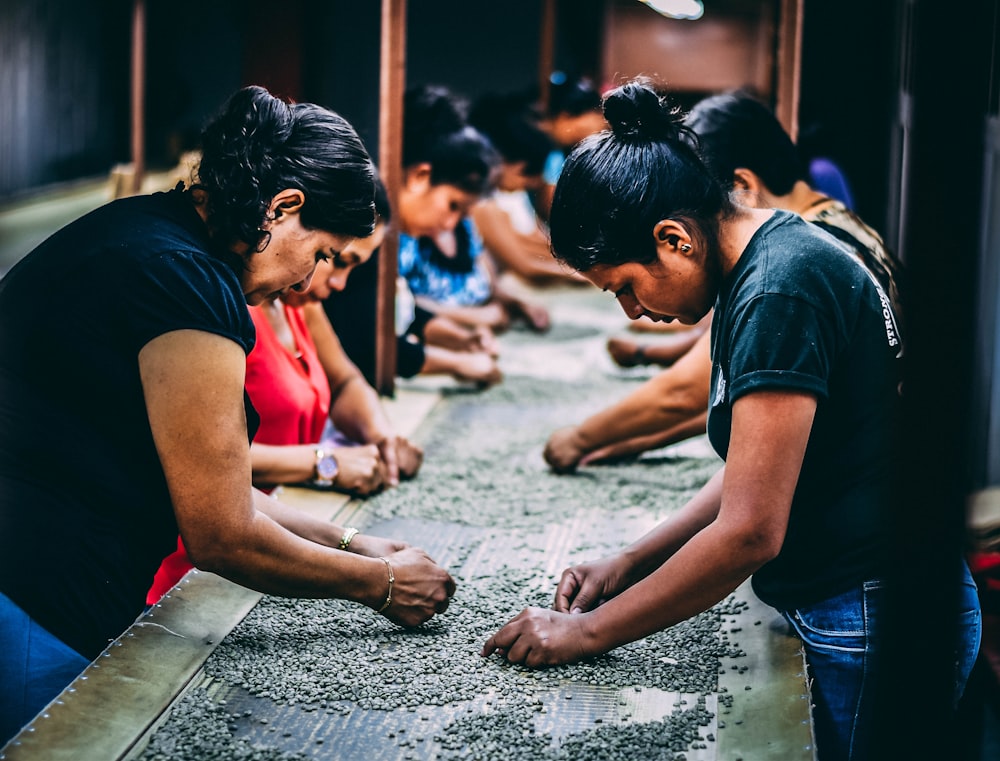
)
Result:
{"points": [[803, 409], [123, 342]]}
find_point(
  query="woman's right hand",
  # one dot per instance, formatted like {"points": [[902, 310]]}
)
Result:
{"points": [[564, 450], [421, 588], [360, 469], [586, 586]]}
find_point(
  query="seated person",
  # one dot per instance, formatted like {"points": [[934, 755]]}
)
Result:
{"points": [[321, 423], [742, 143], [572, 113], [427, 344], [452, 275], [506, 219], [448, 166]]}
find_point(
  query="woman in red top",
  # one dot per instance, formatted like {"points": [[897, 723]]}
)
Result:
{"points": [[320, 420]]}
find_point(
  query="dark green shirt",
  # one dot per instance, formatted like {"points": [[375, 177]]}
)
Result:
{"points": [[798, 313]]}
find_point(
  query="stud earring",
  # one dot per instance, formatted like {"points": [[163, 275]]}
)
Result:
{"points": [[685, 247]]}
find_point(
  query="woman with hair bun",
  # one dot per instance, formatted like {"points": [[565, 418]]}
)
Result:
{"points": [[804, 406], [134, 426]]}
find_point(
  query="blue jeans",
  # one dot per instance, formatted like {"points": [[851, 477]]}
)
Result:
{"points": [[838, 637], [34, 668]]}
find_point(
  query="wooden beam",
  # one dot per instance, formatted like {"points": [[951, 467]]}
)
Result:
{"points": [[789, 66], [546, 51], [138, 93], [390, 152]]}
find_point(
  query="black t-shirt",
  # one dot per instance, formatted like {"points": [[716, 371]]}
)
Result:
{"points": [[798, 313], [85, 516]]}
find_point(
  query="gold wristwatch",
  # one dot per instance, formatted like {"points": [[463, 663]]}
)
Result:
{"points": [[326, 468]]}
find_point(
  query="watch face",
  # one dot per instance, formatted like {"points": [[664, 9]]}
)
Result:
{"points": [[327, 467]]}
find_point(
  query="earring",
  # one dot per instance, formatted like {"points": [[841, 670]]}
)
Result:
{"points": [[685, 247]]}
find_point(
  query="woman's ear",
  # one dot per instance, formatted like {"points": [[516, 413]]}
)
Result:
{"points": [[417, 177], [748, 181], [288, 201], [671, 237]]}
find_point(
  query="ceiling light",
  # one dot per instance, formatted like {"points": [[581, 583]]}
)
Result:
{"points": [[688, 10]]}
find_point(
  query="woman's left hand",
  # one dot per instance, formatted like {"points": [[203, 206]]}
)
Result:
{"points": [[375, 546], [402, 458], [541, 637], [409, 456]]}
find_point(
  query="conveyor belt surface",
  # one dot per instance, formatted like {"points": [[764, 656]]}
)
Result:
{"points": [[326, 679]]}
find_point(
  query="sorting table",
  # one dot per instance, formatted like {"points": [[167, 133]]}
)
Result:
{"points": [[216, 670]]}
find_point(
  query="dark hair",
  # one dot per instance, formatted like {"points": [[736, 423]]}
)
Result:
{"points": [[383, 209], [572, 97], [735, 130], [435, 131], [512, 126], [617, 184], [259, 145]]}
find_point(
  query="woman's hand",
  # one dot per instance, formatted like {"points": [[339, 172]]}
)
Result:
{"points": [[540, 637], [564, 450], [360, 469], [584, 587], [409, 456], [420, 589], [401, 457]]}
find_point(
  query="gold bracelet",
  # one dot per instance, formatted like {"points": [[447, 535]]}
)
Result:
{"points": [[345, 541], [388, 595]]}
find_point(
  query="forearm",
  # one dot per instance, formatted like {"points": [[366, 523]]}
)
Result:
{"points": [[671, 398], [693, 426], [704, 571], [663, 402], [357, 411], [283, 464], [491, 314], [299, 522], [287, 560], [654, 548]]}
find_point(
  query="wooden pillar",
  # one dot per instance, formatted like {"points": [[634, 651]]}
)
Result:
{"points": [[546, 51], [138, 93], [789, 66], [390, 152]]}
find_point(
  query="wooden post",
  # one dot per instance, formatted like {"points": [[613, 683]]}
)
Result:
{"points": [[138, 93], [546, 52], [390, 153], [789, 66]]}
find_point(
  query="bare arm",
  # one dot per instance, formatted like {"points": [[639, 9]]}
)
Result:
{"points": [[527, 255], [193, 386], [768, 442], [355, 408], [672, 398], [492, 314], [769, 437], [693, 426]]}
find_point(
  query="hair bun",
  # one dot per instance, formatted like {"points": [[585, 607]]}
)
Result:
{"points": [[635, 110], [435, 109]]}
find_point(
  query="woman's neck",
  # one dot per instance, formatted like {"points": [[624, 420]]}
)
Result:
{"points": [[736, 232]]}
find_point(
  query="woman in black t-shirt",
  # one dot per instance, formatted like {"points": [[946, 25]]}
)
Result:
{"points": [[803, 409], [124, 410]]}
